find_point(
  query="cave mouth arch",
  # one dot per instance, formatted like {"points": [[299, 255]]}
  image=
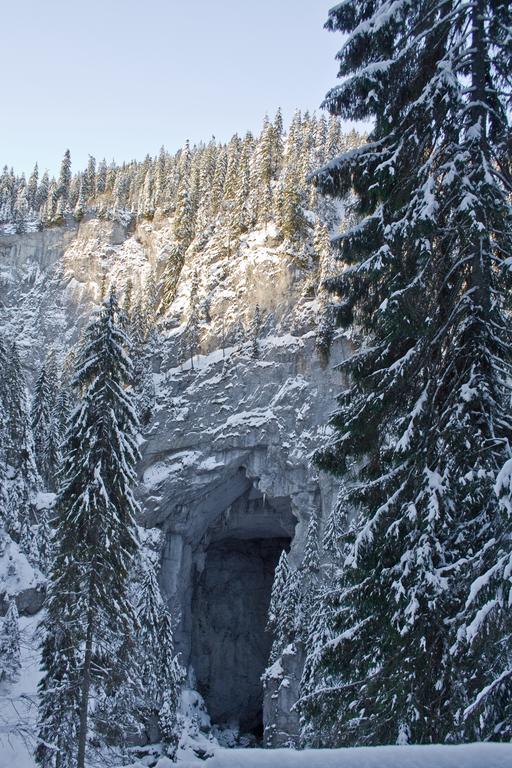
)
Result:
{"points": [[234, 569]]}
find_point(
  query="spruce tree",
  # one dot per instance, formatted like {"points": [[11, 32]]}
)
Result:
{"points": [[183, 224], [240, 219], [43, 404], [89, 179], [159, 673], [65, 176], [311, 560], [171, 677], [255, 330], [101, 177], [281, 576], [21, 209], [79, 209], [32, 188], [18, 444], [191, 335], [87, 610], [424, 422], [10, 663], [284, 602], [42, 191]]}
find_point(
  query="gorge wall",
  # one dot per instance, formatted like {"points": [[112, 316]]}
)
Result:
{"points": [[226, 471]]}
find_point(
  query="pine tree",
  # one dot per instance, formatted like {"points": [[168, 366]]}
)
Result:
{"points": [[101, 177], [277, 143], [18, 444], [190, 341], [21, 209], [150, 304], [284, 602], [218, 181], [281, 577], [59, 212], [148, 613], [239, 336], [128, 299], [87, 610], [333, 140], [65, 176], [333, 531], [43, 542], [79, 210], [143, 382], [292, 221], [42, 191], [426, 414], [43, 403], [171, 276], [255, 333], [183, 225], [32, 188], [240, 217], [147, 201], [325, 332], [3, 441], [233, 163], [311, 560], [89, 179], [159, 673], [10, 663], [171, 677]]}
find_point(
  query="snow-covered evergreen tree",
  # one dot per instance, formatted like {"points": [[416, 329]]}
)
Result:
{"points": [[255, 330], [159, 675], [18, 444], [190, 339], [311, 559], [87, 610], [171, 275], [171, 677], [32, 188], [43, 404], [184, 214], [101, 177], [10, 663], [89, 178], [425, 418], [325, 331], [79, 209], [65, 176], [284, 601]]}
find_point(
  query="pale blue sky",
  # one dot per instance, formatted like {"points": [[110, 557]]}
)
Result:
{"points": [[119, 78]]}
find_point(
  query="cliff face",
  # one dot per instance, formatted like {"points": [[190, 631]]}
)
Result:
{"points": [[226, 469]]}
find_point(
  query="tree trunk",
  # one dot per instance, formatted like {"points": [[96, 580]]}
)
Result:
{"points": [[86, 675], [480, 272]]}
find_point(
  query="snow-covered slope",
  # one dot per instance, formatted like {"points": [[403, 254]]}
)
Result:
{"points": [[18, 703], [436, 756]]}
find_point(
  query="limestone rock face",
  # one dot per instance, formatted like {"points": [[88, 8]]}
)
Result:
{"points": [[226, 470], [228, 465]]}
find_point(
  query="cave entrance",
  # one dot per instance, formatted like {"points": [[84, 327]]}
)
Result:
{"points": [[234, 571]]}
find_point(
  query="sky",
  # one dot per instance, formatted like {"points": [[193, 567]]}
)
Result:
{"points": [[120, 78]]}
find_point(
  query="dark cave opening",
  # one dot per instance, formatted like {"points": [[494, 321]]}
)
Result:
{"points": [[230, 645], [234, 569]]}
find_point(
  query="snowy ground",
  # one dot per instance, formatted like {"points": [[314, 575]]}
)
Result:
{"points": [[465, 756], [18, 703]]}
